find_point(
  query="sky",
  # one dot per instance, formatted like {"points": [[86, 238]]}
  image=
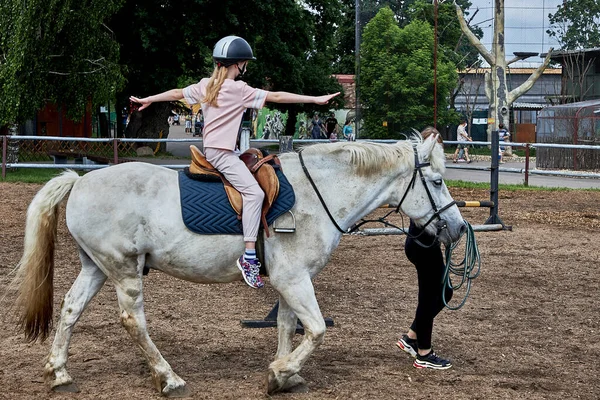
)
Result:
{"points": [[525, 25]]}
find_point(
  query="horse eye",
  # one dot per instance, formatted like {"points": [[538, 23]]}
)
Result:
{"points": [[438, 182]]}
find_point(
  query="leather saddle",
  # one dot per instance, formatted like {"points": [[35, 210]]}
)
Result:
{"points": [[260, 167]]}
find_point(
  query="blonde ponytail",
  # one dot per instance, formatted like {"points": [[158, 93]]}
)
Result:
{"points": [[214, 85]]}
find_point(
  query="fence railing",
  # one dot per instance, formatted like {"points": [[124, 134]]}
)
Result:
{"points": [[94, 153]]}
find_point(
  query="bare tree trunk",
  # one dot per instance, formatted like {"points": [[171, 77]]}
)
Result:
{"points": [[149, 124], [496, 88]]}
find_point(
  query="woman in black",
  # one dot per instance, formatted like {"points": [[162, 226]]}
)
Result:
{"points": [[424, 251]]}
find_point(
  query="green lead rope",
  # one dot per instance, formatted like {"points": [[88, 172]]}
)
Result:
{"points": [[468, 269]]}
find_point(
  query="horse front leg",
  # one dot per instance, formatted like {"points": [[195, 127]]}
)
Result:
{"points": [[86, 286], [129, 293], [299, 296], [286, 326]]}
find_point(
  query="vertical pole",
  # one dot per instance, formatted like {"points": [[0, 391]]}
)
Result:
{"points": [[527, 164], [494, 218], [116, 150], [357, 69], [286, 144], [435, 48], [4, 146]]}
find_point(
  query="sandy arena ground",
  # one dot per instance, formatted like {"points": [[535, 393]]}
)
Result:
{"points": [[529, 330]]}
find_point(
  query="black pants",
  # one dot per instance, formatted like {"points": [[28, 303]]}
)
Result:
{"points": [[429, 262]]}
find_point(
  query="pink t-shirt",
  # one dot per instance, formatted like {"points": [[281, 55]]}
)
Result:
{"points": [[222, 123]]}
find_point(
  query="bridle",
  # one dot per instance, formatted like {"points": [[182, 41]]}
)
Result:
{"points": [[440, 224]]}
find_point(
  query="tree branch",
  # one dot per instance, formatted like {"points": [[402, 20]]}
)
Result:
{"points": [[528, 84], [472, 38], [75, 73]]}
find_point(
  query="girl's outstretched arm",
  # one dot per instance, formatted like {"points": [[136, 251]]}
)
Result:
{"points": [[171, 95], [285, 97]]}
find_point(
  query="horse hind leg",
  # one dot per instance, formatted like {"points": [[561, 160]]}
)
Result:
{"points": [[129, 294], [85, 287]]}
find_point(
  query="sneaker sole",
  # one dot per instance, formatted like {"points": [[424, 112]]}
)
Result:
{"points": [[237, 262], [424, 364], [406, 348]]}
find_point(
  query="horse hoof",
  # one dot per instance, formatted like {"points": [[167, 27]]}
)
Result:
{"points": [[273, 385], [176, 392], [67, 388], [296, 384]]}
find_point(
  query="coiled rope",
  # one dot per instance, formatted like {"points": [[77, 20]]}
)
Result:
{"points": [[467, 270]]}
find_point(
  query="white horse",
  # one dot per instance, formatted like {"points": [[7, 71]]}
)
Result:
{"points": [[138, 223]]}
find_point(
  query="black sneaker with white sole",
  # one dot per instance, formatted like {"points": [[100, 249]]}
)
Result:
{"points": [[408, 345], [432, 361]]}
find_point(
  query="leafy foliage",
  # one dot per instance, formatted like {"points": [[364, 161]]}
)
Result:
{"points": [[56, 51], [169, 44], [451, 40], [397, 77], [576, 24]]}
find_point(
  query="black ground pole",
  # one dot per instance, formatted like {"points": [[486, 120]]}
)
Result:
{"points": [[270, 321]]}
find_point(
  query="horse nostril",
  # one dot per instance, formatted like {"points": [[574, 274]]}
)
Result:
{"points": [[463, 229]]}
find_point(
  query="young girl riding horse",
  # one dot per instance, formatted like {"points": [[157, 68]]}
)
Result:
{"points": [[223, 101]]}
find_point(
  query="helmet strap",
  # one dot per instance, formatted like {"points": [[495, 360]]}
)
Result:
{"points": [[241, 70]]}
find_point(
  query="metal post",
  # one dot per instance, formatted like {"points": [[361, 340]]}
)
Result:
{"points": [[116, 150], [527, 164], [4, 146], [286, 144], [244, 139], [435, 48], [357, 69], [494, 218]]}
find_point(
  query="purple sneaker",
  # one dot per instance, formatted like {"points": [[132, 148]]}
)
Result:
{"points": [[251, 272]]}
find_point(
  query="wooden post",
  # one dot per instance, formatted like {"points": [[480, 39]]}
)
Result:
{"points": [[4, 145], [527, 165], [116, 150], [286, 144]]}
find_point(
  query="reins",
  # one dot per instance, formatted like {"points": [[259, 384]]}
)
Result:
{"points": [[312, 183], [468, 269]]}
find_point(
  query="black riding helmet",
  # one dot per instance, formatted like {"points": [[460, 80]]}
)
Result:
{"points": [[230, 50]]}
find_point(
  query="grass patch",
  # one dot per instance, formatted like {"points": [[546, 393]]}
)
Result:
{"points": [[485, 151], [32, 175], [502, 186]]}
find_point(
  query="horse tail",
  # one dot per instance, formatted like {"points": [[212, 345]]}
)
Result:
{"points": [[36, 269]]}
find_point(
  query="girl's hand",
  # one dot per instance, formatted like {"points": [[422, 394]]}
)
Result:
{"points": [[144, 102], [325, 99]]}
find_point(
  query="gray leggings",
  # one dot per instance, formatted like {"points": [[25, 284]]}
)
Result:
{"points": [[235, 171]]}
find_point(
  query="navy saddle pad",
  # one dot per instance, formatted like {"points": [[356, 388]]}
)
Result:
{"points": [[206, 210]]}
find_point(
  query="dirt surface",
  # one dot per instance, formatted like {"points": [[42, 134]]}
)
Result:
{"points": [[529, 329]]}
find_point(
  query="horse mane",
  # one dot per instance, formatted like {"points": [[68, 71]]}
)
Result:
{"points": [[369, 158]]}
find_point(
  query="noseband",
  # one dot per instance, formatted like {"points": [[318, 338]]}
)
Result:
{"points": [[441, 223]]}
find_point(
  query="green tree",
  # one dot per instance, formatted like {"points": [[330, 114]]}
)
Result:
{"points": [[576, 24], [451, 40], [56, 51], [397, 77], [168, 44]]}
